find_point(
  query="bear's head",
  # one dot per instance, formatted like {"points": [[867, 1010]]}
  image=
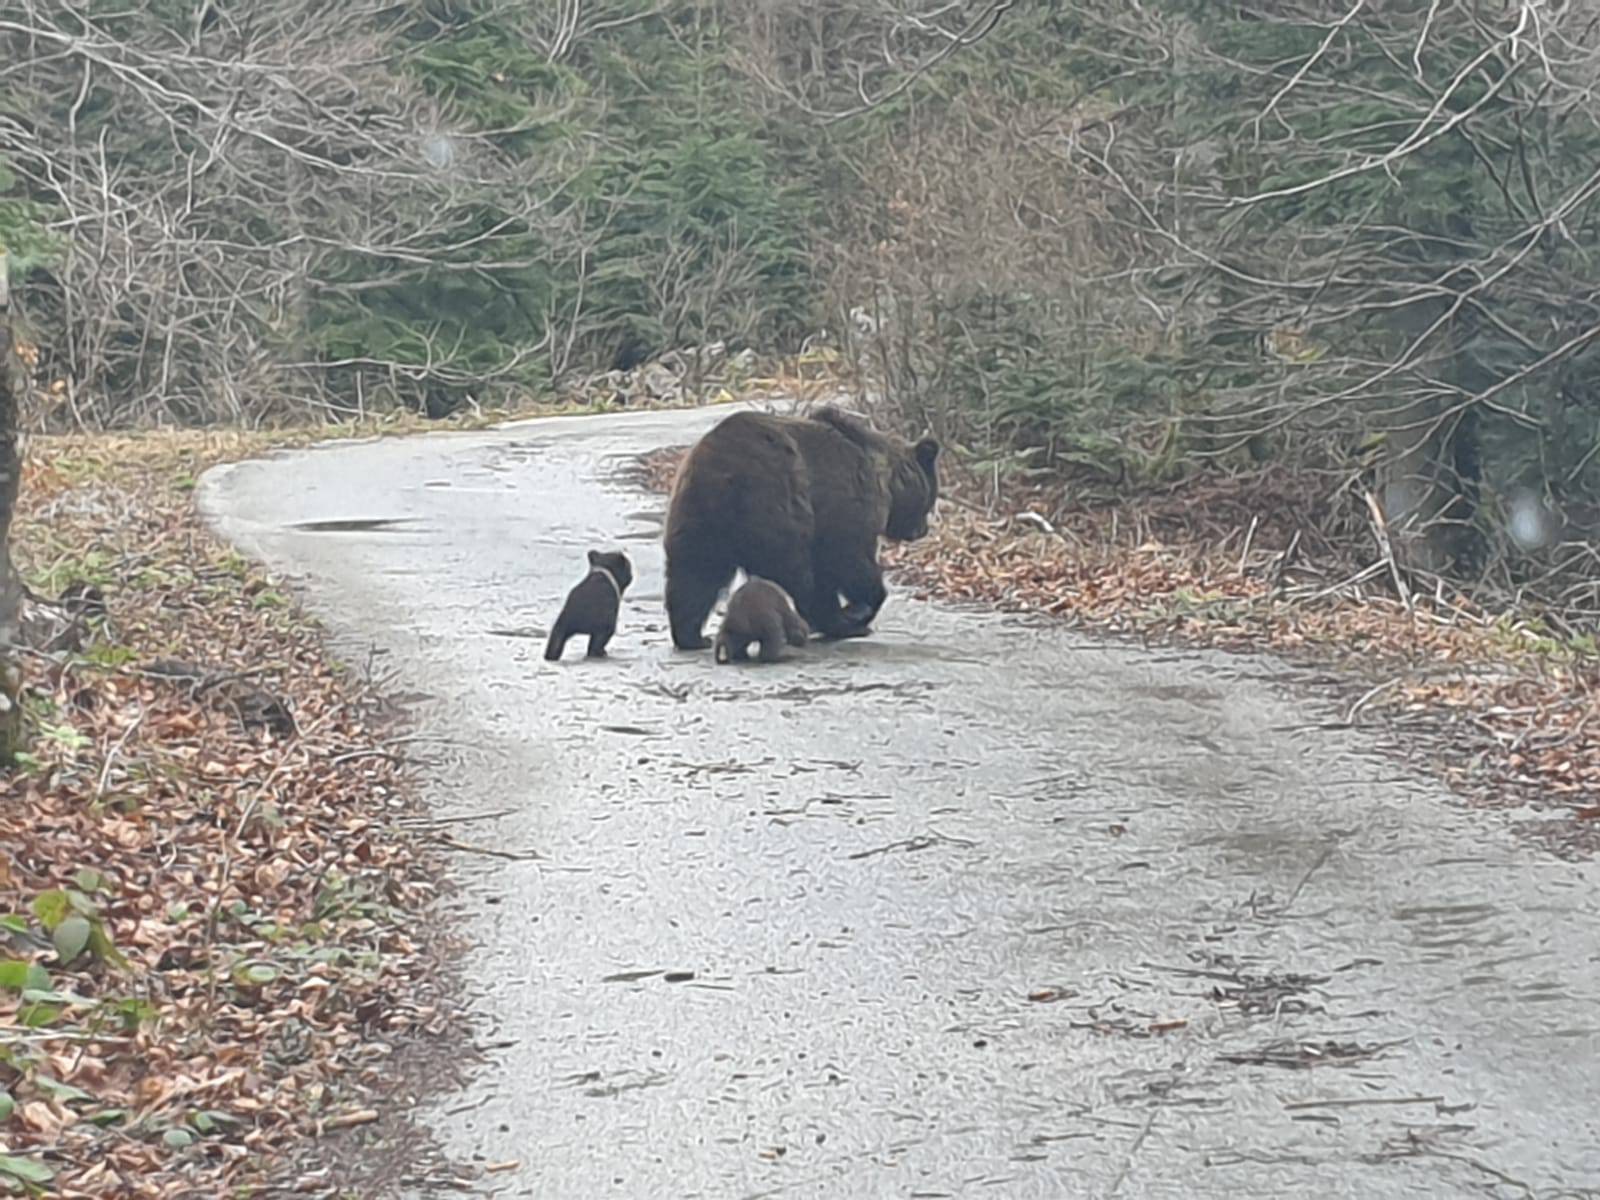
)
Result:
{"points": [[913, 489], [614, 562]]}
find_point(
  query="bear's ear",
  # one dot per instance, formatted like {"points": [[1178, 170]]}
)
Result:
{"points": [[594, 558], [927, 452]]}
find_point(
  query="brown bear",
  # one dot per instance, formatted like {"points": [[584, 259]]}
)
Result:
{"points": [[801, 501], [760, 612], [592, 605]]}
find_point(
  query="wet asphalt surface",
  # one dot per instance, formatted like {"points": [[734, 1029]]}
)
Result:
{"points": [[972, 907]]}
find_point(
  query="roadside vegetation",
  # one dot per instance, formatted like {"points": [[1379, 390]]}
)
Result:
{"points": [[215, 885]]}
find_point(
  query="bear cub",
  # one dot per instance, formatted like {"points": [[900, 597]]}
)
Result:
{"points": [[764, 613], [592, 606]]}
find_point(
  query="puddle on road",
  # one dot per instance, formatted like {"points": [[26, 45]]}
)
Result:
{"points": [[799, 694], [861, 653], [1453, 926], [1184, 693], [352, 524]]}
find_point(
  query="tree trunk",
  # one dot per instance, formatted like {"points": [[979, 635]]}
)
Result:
{"points": [[1427, 484], [11, 731]]}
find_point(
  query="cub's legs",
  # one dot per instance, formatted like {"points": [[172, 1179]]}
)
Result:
{"points": [[557, 643], [771, 637], [795, 630]]}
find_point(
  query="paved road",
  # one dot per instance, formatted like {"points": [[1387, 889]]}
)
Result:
{"points": [[970, 908]]}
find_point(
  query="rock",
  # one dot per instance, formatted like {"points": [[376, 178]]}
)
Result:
{"points": [[49, 629], [173, 668], [657, 382], [80, 599], [260, 709], [665, 379]]}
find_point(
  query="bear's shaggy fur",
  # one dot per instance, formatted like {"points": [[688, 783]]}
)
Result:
{"points": [[592, 605], [763, 613], [801, 501]]}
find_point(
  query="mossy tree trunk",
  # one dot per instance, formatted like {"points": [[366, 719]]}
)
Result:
{"points": [[11, 728]]}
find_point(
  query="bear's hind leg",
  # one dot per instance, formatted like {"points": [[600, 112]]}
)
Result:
{"points": [[691, 595]]}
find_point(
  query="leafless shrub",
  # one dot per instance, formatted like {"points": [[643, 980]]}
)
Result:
{"points": [[1356, 236], [210, 186]]}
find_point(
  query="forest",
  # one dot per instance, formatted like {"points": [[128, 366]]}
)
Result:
{"points": [[1117, 244]]}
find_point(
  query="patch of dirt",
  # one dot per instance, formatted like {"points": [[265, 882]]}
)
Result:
{"points": [[1490, 703], [224, 971]]}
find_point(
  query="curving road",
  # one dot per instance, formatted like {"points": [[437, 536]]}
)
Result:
{"points": [[969, 908]]}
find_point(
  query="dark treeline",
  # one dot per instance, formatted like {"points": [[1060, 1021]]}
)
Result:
{"points": [[1116, 242]]}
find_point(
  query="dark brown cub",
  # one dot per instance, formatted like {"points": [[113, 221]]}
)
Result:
{"points": [[592, 606], [763, 613]]}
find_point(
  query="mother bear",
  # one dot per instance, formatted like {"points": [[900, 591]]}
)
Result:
{"points": [[801, 501]]}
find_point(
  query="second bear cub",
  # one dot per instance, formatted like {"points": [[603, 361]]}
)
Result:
{"points": [[761, 612], [592, 606]]}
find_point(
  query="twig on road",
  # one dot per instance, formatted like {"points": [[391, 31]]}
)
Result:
{"points": [[1305, 879], [920, 842], [445, 839], [462, 819], [1133, 1150], [1361, 1102]]}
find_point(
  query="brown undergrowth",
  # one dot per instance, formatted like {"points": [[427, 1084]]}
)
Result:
{"points": [[215, 898], [1499, 708]]}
